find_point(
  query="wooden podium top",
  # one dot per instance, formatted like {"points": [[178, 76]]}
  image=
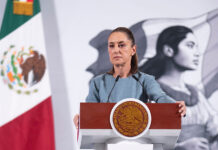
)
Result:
{"points": [[97, 115]]}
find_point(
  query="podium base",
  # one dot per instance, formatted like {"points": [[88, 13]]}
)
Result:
{"points": [[128, 146]]}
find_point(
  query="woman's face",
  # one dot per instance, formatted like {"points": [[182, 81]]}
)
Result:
{"points": [[188, 53], [120, 49]]}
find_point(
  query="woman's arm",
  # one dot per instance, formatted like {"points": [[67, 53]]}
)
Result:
{"points": [[155, 93], [93, 95], [76, 120]]}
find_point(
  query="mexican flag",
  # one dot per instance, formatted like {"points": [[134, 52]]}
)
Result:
{"points": [[26, 117]]}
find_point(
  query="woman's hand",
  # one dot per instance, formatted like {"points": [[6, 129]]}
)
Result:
{"points": [[196, 143], [182, 108], [76, 120]]}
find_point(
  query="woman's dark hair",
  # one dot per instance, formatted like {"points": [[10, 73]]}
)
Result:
{"points": [[134, 60], [171, 37]]}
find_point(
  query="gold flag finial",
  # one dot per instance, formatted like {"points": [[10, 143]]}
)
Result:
{"points": [[23, 8]]}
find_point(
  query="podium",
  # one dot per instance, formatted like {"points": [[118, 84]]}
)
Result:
{"points": [[95, 130]]}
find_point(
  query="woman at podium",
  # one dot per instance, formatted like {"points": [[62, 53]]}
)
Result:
{"points": [[124, 80]]}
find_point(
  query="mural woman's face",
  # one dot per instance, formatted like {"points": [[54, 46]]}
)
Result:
{"points": [[188, 53], [120, 49]]}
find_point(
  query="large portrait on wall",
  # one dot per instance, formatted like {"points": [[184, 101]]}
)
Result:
{"points": [[182, 55]]}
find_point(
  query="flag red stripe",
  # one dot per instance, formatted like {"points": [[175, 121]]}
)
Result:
{"points": [[33, 130]]}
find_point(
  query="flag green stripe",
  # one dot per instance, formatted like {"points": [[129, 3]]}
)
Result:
{"points": [[12, 21]]}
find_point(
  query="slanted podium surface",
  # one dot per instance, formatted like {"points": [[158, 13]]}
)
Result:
{"points": [[95, 125]]}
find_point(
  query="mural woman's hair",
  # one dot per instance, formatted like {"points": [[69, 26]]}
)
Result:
{"points": [[171, 37]]}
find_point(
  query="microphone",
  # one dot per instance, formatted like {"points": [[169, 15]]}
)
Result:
{"points": [[143, 89], [117, 78]]}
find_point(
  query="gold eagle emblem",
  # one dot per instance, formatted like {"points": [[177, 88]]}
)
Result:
{"points": [[130, 118]]}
